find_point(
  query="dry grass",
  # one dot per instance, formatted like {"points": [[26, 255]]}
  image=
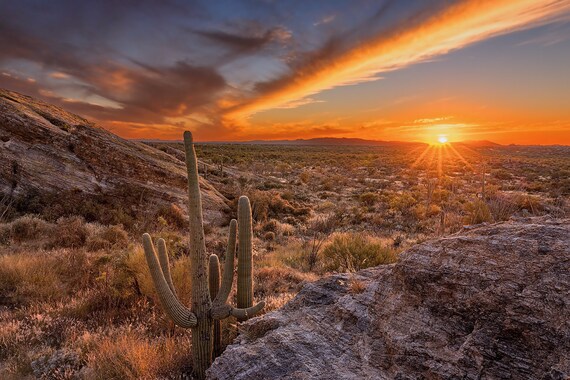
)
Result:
{"points": [[132, 357], [356, 286]]}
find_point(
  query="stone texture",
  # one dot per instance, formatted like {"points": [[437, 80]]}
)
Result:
{"points": [[489, 303], [42, 147]]}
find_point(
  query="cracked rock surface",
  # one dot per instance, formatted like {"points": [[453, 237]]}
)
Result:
{"points": [[489, 303]]}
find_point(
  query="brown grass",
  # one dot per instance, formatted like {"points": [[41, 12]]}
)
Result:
{"points": [[133, 357]]}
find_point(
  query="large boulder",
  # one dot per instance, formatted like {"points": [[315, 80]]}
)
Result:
{"points": [[489, 303], [46, 149]]}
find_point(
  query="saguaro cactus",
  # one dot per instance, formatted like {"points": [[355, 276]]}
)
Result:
{"points": [[245, 256], [203, 311]]}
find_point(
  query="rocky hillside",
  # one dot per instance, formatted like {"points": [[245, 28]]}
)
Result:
{"points": [[45, 149], [489, 303]]}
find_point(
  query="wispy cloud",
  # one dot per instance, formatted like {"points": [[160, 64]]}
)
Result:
{"points": [[342, 60]]}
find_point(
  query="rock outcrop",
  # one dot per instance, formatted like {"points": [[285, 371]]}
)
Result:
{"points": [[489, 303], [43, 148]]}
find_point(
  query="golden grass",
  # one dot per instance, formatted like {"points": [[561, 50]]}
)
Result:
{"points": [[131, 357]]}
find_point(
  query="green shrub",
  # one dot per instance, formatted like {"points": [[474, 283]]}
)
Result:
{"points": [[350, 252], [478, 212]]}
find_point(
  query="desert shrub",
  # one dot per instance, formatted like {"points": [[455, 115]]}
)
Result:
{"points": [[477, 212], [288, 195], [501, 207], [269, 236], [350, 252], [420, 211], [270, 226], [273, 281], [502, 174], [130, 356], [286, 229], [28, 227], [401, 202], [531, 203], [107, 237], [305, 177], [368, 199], [267, 204], [289, 255], [356, 286], [5, 232], [326, 206], [71, 232], [441, 195], [173, 215]]}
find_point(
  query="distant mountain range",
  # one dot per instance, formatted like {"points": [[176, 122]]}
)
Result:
{"points": [[329, 141], [334, 141], [338, 141]]}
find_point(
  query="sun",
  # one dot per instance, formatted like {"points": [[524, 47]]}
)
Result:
{"points": [[442, 139]]}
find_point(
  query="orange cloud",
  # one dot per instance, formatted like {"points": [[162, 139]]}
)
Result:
{"points": [[452, 28]]}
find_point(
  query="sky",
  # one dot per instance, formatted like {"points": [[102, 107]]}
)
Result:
{"points": [[229, 70]]}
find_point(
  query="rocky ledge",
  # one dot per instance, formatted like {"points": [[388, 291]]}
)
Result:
{"points": [[489, 303]]}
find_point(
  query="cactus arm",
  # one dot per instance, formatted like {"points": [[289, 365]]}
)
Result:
{"points": [[214, 276], [164, 264], [181, 315], [228, 276], [243, 314], [224, 311]]}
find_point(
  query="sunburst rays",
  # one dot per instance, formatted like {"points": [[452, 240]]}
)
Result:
{"points": [[438, 156]]}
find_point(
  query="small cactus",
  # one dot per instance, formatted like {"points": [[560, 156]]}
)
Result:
{"points": [[208, 299]]}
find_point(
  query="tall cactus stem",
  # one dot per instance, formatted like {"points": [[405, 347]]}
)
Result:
{"points": [[200, 295], [214, 268], [245, 255]]}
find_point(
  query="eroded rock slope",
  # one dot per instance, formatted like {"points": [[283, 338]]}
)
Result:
{"points": [[489, 303], [44, 148]]}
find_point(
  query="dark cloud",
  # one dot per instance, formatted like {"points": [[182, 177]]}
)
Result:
{"points": [[240, 43], [171, 91]]}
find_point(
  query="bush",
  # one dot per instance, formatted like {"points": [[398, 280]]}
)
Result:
{"points": [[350, 252], [274, 281], [368, 199], [5, 232], [71, 232], [174, 216], [108, 237], [28, 227], [478, 212]]}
